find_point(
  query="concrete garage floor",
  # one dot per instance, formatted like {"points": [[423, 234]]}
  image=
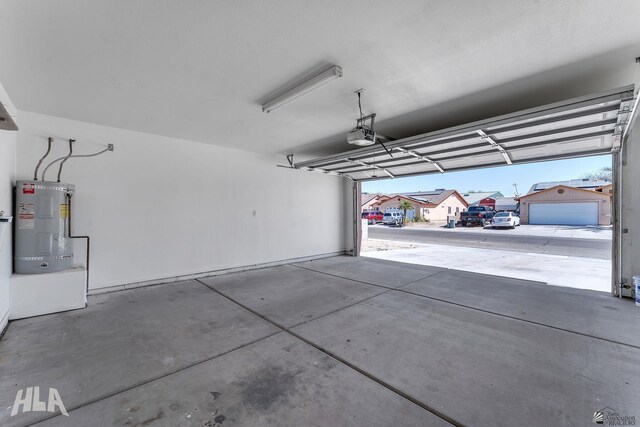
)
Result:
{"points": [[332, 342]]}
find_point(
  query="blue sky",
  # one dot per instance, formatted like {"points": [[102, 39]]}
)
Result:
{"points": [[498, 178]]}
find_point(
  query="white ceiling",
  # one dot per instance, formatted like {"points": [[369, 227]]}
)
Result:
{"points": [[199, 70]]}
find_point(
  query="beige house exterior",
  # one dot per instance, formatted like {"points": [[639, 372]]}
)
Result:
{"points": [[564, 194], [433, 208], [367, 201], [385, 203]]}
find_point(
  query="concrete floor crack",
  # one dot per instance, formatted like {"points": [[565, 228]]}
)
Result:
{"points": [[372, 377]]}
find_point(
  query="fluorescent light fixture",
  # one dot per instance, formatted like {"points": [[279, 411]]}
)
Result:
{"points": [[303, 88]]}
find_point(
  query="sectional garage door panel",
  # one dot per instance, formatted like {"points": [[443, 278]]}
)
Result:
{"points": [[585, 126], [585, 213]]}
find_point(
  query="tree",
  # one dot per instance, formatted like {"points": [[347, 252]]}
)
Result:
{"points": [[604, 173], [405, 205]]}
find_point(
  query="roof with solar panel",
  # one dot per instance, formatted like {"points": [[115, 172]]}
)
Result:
{"points": [[585, 184]]}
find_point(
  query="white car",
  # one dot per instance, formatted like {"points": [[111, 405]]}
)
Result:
{"points": [[505, 219], [390, 218]]}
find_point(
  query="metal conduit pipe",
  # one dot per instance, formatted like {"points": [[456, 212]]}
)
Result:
{"points": [[71, 141], [35, 174], [71, 236], [110, 148]]}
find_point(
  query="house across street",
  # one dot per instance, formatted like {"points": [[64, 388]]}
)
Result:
{"points": [[571, 202], [427, 205]]}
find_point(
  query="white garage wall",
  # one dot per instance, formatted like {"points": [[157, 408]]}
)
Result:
{"points": [[7, 173], [159, 207], [631, 206]]}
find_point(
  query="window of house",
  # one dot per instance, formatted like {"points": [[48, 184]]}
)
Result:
{"points": [[449, 210], [457, 209]]}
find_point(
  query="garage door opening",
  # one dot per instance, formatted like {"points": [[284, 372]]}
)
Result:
{"points": [[583, 127], [553, 233]]}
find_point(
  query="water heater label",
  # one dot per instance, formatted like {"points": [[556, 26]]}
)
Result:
{"points": [[26, 216], [28, 188], [64, 210]]}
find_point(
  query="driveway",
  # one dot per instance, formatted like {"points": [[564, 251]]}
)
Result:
{"points": [[541, 253]]}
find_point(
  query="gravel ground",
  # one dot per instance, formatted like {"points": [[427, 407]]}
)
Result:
{"points": [[374, 245]]}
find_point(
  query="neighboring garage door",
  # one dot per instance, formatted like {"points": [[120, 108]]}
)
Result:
{"points": [[564, 213], [411, 213]]}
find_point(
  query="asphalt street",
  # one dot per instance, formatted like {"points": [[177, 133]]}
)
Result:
{"points": [[500, 239]]}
